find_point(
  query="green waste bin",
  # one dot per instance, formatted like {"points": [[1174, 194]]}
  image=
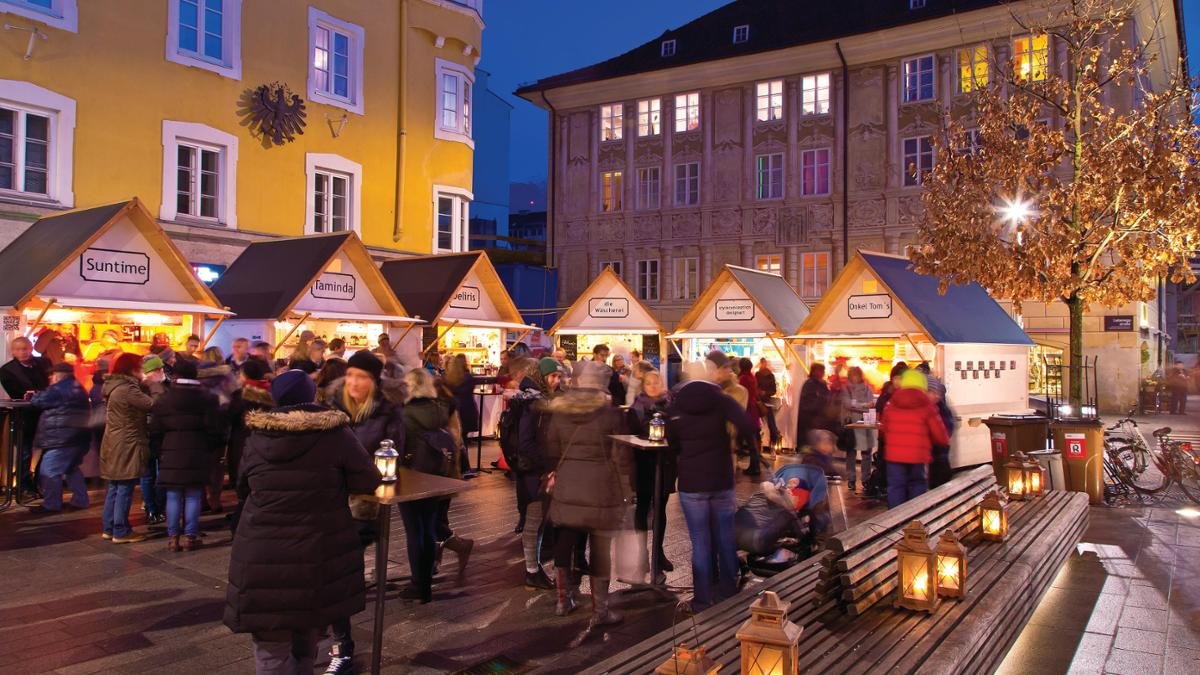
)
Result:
{"points": [[1015, 433], [1082, 444]]}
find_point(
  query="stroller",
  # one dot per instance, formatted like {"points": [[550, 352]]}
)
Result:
{"points": [[772, 530]]}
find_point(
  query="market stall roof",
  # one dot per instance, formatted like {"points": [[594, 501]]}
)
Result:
{"points": [[744, 302], [114, 256], [607, 306], [867, 294], [319, 274], [462, 287]]}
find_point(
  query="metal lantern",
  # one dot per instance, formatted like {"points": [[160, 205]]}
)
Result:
{"points": [[1035, 478], [1014, 476], [385, 460], [993, 517], [768, 639], [688, 661], [951, 566], [657, 428], [916, 570]]}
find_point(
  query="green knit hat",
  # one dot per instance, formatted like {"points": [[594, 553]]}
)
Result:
{"points": [[151, 363], [914, 379]]}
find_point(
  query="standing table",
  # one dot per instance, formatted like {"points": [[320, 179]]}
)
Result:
{"points": [[12, 437], [640, 444], [410, 486], [485, 388]]}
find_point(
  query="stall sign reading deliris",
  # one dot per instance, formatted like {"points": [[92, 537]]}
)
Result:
{"points": [[467, 297]]}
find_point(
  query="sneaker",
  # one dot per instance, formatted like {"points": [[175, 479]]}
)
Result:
{"points": [[468, 475], [538, 581], [340, 665], [131, 538], [106, 535]]}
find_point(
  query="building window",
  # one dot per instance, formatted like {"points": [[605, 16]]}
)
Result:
{"points": [[61, 14], [199, 167], [814, 274], [206, 34], [451, 214], [814, 94], [918, 79], [969, 143], [647, 280], [612, 187], [769, 100], [741, 34], [335, 73], [768, 176], [612, 122], [972, 68], [687, 278], [37, 131], [814, 172], [668, 48], [687, 184], [772, 262], [614, 264], [650, 117], [918, 159], [24, 152], [1031, 57], [916, 4], [687, 112], [334, 193], [649, 187], [454, 102]]}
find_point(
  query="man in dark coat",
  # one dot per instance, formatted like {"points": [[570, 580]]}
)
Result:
{"points": [[813, 404], [186, 427], [64, 438], [24, 375], [296, 564]]}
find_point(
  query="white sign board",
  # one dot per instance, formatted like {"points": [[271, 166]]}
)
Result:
{"points": [[334, 286], [470, 301], [467, 297], [734, 310], [339, 288], [114, 267], [878, 306], [608, 308]]}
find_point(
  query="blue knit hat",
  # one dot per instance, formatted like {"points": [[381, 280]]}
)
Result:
{"points": [[293, 387]]}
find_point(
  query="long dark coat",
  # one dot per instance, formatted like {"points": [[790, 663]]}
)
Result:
{"points": [[186, 426], [593, 486], [125, 449], [296, 561]]}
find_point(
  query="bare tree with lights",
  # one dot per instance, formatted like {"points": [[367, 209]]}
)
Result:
{"points": [[1047, 193]]}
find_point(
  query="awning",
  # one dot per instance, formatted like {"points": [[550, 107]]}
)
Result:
{"points": [[607, 331], [349, 316], [483, 323], [717, 336], [846, 336], [139, 306]]}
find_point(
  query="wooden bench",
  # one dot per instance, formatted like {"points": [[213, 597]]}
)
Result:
{"points": [[851, 625]]}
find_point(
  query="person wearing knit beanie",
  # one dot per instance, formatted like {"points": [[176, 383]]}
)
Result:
{"points": [[151, 363], [368, 362], [293, 387], [127, 364]]}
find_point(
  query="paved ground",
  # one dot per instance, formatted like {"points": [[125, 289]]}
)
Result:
{"points": [[71, 602]]}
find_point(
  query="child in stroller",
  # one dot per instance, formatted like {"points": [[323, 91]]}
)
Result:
{"points": [[778, 526]]}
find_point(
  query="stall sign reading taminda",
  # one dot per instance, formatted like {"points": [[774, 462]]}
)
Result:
{"points": [[869, 306], [608, 308], [334, 286], [114, 267]]}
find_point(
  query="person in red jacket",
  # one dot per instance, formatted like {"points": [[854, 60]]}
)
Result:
{"points": [[912, 426], [746, 379]]}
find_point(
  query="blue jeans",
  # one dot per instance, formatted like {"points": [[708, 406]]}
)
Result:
{"points": [[190, 497], [420, 528], [709, 517], [117, 501], [151, 495], [905, 481], [57, 464]]}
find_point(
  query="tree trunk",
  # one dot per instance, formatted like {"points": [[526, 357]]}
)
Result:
{"points": [[1075, 305]]}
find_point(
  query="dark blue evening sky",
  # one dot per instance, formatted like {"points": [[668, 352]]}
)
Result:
{"points": [[529, 39]]}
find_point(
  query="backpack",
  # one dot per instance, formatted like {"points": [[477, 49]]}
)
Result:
{"points": [[435, 454]]}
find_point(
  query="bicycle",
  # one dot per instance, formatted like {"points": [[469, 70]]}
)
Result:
{"points": [[1123, 436], [1171, 462]]}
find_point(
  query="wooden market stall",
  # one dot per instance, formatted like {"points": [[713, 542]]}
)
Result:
{"points": [[325, 283], [744, 313], [879, 311], [88, 284], [609, 312]]}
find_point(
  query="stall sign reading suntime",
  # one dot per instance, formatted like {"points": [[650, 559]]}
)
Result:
{"points": [[114, 267]]}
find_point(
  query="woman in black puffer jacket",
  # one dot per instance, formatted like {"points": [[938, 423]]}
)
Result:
{"points": [[296, 564], [185, 424]]}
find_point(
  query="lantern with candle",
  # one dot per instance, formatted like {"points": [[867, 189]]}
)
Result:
{"points": [[951, 566], [916, 570], [993, 517], [657, 429], [1014, 476], [1035, 478], [688, 661], [768, 639], [385, 460]]}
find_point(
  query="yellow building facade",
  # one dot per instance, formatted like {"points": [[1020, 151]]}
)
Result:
{"points": [[103, 101]]}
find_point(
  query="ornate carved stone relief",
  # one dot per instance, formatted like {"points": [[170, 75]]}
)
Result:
{"points": [[685, 225], [820, 216], [867, 212], [911, 210], [612, 229], [575, 231], [612, 155], [726, 223], [791, 227], [765, 222], [645, 228]]}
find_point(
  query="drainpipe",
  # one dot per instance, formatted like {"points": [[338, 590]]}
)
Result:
{"points": [[845, 155], [401, 118], [550, 180]]}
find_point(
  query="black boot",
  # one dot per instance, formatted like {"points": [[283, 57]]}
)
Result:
{"points": [[462, 548], [601, 614], [566, 599]]}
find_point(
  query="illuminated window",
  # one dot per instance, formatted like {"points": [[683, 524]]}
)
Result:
{"points": [[972, 68], [649, 117], [918, 79], [814, 274], [687, 184], [335, 72], [687, 278], [814, 94], [687, 112], [647, 279], [769, 176], [769, 99], [453, 102], [649, 184], [814, 172], [772, 263], [612, 185], [918, 159], [612, 122], [1031, 57]]}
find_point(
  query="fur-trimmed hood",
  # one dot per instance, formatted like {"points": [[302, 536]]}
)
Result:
{"points": [[579, 402], [209, 371], [287, 433], [257, 396]]}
